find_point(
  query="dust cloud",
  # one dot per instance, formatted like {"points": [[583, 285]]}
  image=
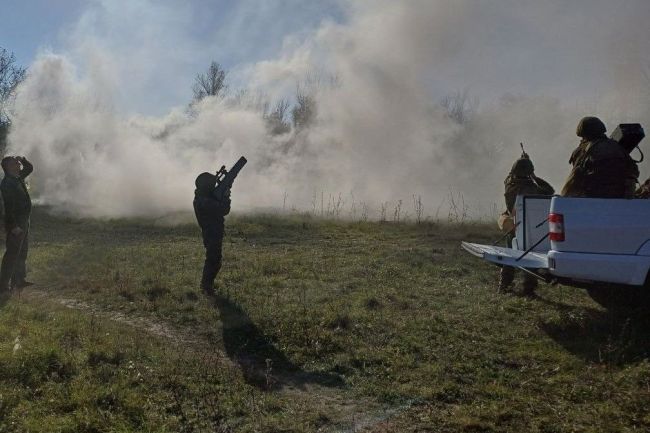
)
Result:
{"points": [[425, 98]]}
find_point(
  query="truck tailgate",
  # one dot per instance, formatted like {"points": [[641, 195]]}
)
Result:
{"points": [[507, 256]]}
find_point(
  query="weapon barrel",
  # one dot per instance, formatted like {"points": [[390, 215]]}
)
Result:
{"points": [[234, 171], [229, 178]]}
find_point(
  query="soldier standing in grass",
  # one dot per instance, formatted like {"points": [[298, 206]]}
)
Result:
{"points": [[521, 180], [17, 210], [601, 167], [210, 213]]}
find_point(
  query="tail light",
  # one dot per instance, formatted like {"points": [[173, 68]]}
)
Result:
{"points": [[556, 227]]}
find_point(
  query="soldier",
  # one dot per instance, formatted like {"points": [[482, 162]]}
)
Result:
{"points": [[521, 180], [210, 214], [601, 167], [17, 209]]}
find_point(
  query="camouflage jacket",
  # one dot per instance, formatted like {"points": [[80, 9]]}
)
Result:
{"points": [[601, 169], [524, 185]]}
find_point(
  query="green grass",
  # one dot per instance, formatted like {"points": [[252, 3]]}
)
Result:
{"points": [[317, 323]]}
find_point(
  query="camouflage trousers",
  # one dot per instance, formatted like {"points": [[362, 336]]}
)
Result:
{"points": [[507, 275]]}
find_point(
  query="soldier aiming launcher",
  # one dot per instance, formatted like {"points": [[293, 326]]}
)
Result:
{"points": [[225, 179]]}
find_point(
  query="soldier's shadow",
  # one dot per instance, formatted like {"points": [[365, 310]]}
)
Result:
{"points": [[263, 365], [613, 337]]}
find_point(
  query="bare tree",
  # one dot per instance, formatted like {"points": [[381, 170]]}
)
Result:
{"points": [[276, 119], [304, 112], [249, 100], [459, 106], [212, 83], [10, 76]]}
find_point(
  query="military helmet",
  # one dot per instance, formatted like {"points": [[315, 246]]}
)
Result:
{"points": [[523, 167], [206, 182], [590, 127]]}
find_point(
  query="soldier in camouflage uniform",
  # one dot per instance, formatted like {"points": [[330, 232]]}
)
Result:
{"points": [[521, 180], [601, 167]]}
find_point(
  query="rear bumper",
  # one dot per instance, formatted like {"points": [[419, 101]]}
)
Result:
{"points": [[618, 268]]}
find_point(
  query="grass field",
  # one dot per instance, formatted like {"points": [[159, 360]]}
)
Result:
{"points": [[317, 326]]}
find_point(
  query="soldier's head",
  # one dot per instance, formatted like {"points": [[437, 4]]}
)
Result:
{"points": [[10, 165], [590, 128], [205, 183], [523, 167]]}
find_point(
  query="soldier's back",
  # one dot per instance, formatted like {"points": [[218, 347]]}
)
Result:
{"points": [[609, 170]]}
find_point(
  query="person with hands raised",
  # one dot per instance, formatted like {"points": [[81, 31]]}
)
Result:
{"points": [[17, 211]]}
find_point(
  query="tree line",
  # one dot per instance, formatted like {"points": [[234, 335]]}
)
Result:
{"points": [[11, 74], [280, 117]]}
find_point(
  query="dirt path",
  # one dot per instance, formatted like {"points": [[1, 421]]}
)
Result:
{"points": [[345, 414], [148, 325]]}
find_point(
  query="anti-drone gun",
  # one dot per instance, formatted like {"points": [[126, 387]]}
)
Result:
{"points": [[629, 135], [225, 179]]}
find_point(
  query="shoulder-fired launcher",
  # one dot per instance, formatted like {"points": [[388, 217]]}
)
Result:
{"points": [[225, 179]]}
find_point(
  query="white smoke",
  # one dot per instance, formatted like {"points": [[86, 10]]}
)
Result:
{"points": [[380, 134]]}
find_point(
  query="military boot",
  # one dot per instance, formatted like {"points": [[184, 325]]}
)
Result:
{"points": [[506, 277]]}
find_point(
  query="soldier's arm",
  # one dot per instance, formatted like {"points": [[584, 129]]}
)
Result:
{"points": [[546, 187], [510, 196], [226, 207], [28, 168], [214, 205], [226, 203], [574, 185]]}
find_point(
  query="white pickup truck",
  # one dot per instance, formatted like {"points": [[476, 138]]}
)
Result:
{"points": [[599, 244]]}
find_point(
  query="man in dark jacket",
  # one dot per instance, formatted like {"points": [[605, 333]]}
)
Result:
{"points": [[17, 210], [521, 180], [210, 214], [601, 167]]}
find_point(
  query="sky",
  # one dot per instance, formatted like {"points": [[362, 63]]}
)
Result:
{"points": [[32, 25]]}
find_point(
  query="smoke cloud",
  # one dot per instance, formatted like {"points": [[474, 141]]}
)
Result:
{"points": [[420, 98]]}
